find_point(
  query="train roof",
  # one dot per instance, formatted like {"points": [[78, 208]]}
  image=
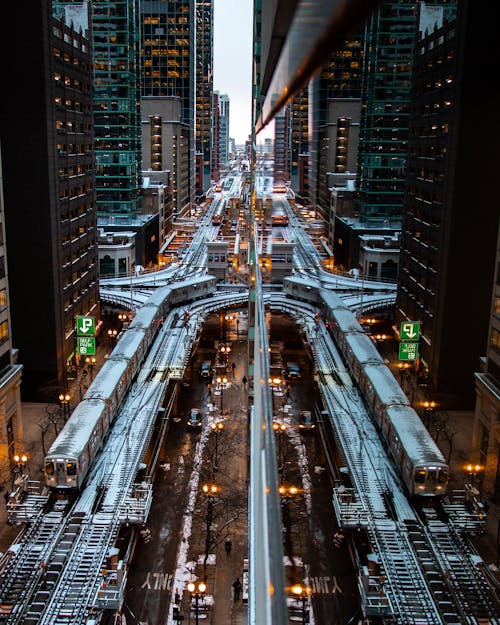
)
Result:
{"points": [[346, 321], [144, 317], [107, 378], [128, 344], [363, 348], [416, 440], [385, 385], [157, 298], [332, 300], [77, 431]]}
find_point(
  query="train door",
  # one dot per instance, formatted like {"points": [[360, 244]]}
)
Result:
{"points": [[60, 472]]}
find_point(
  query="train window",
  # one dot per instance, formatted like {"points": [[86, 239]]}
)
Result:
{"points": [[49, 468], [420, 476], [71, 468], [443, 476]]}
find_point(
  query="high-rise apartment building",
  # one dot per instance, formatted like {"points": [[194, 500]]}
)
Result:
{"points": [[204, 89], [450, 223], [116, 84], [223, 128], [168, 57], [11, 431], [282, 146], [49, 193], [387, 65], [215, 168]]}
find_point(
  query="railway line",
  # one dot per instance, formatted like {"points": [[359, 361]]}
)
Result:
{"points": [[71, 564]]}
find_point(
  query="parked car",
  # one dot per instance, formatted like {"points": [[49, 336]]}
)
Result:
{"points": [[195, 419], [306, 420]]}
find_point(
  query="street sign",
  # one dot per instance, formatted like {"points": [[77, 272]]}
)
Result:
{"points": [[409, 331], [85, 345], [408, 351], [85, 326]]}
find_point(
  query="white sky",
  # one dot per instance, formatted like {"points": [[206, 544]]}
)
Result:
{"points": [[233, 33]]}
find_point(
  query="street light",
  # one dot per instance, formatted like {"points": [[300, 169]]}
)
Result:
{"points": [[197, 591], [221, 382], [429, 407], [21, 462], [90, 361], [210, 490], [112, 334], [474, 471], [279, 429], [217, 427], [225, 350], [64, 399], [302, 594]]}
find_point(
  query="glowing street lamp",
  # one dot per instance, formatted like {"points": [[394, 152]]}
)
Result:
{"points": [[302, 593], [197, 591], [221, 382], [64, 399], [90, 362]]}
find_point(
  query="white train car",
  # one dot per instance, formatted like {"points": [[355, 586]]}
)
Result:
{"points": [[359, 351], [70, 455], [420, 461], [380, 389]]}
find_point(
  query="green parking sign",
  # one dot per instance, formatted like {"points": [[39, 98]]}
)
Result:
{"points": [[85, 345], [409, 331], [408, 351], [85, 326]]}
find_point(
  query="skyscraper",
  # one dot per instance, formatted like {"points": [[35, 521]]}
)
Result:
{"points": [[204, 89], [168, 57], [49, 193], [450, 225], [223, 128]]}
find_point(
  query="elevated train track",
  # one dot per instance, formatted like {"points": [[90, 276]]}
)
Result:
{"points": [[422, 570]]}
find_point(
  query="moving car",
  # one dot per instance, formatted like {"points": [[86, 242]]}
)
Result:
{"points": [[206, 371], [306, 420], [293, 371], [195, 419]]}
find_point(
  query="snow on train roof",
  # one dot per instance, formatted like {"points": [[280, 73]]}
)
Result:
{"points": [[158, 297], [143, 317], [75, 434], [385, 385], [363, 348], [332, 300], [346, 321], [128, 344], [104, 384], [416, 439]]}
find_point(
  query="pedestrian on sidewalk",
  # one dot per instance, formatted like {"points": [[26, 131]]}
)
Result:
{"points": [[233, 367], [237, 589], [244, 380]]}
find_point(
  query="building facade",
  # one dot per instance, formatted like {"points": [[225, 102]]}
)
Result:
{"points": [[50, 222], [11, 430], [168, 59], [449, 229], [204, 90]]}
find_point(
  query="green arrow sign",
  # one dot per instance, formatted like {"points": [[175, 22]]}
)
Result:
{"points": [[85, 326], [408, 351], [409, 331], [85, 345]]}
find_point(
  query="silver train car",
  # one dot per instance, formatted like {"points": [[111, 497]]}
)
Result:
{"points": [[421, 464], [71, 455]]}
